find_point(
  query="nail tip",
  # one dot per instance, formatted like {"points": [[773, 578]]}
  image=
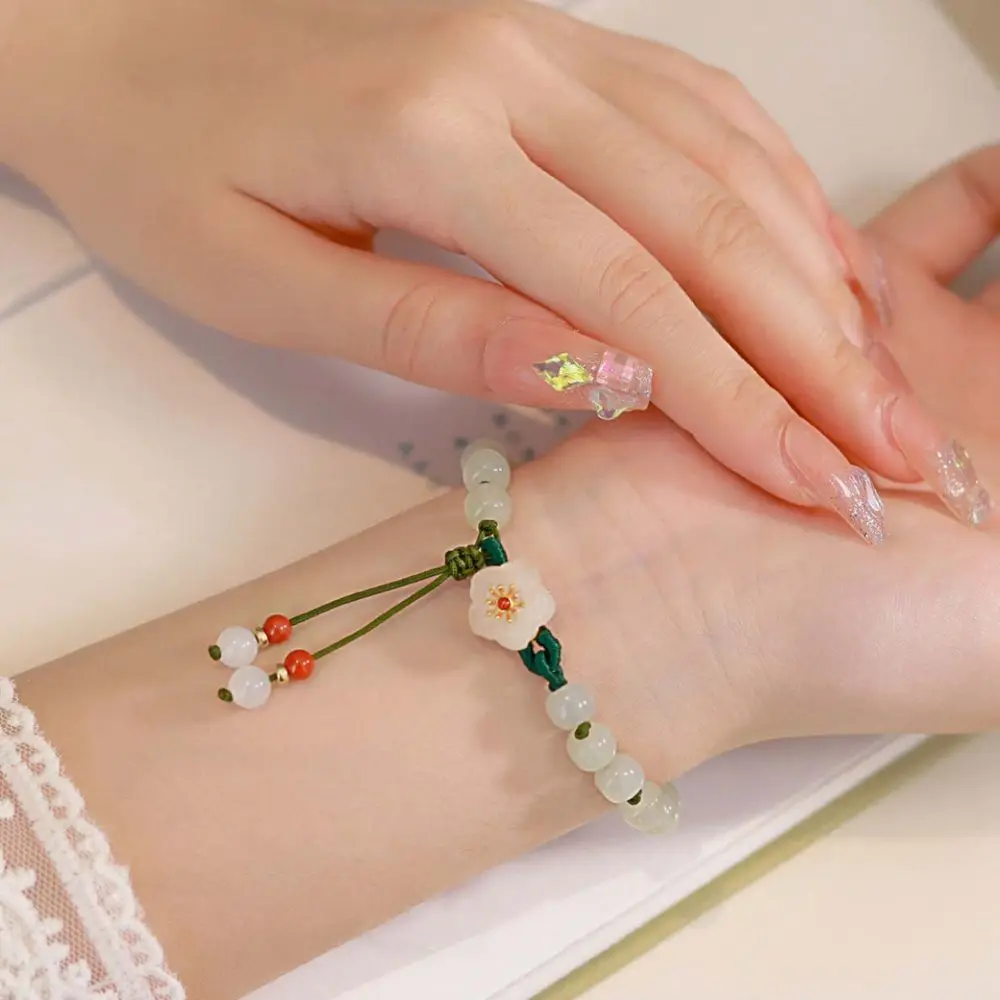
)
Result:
{"points": [[858, 502]]}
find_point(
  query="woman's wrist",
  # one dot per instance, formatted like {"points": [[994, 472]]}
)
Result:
{"points": [[420, 731]]}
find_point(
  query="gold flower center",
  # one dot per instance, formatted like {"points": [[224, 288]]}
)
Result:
{"points": [[503, 602]]}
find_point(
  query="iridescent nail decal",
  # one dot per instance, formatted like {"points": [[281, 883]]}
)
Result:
{"points": [[857, 501], [616, 382], [956, 482]]}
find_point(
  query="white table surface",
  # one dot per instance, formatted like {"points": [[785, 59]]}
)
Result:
{"points": [[113, 439]]}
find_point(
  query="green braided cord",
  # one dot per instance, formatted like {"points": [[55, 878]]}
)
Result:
{"points": [[443, 577], [360, 595], [546, 661]]}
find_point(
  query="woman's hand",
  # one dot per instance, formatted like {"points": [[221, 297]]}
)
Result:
{"points": [[767, 625], [236, 158]]}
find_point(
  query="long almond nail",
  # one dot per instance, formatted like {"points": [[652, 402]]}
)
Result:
{"points": [[940, 461], [848, 491]]}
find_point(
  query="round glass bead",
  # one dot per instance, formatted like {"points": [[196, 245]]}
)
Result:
{"points": [[486, 466], [570, 705], [621, 779], [250, 687], [481, 444], [595, 750], [487, 503], [238, 646]]}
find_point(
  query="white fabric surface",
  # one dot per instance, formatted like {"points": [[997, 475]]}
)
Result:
{"points": [[70, 925]]}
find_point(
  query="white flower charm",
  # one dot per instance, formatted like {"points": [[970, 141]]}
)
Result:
{"points": [[509, 604]]}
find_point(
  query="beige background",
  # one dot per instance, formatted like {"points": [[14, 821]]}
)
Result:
{"points": [[979, 22]]}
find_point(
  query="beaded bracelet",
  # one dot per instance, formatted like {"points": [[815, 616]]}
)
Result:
{"points": [[509, 605]]}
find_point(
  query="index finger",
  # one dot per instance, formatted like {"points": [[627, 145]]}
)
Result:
{"points": [[948, 220]]}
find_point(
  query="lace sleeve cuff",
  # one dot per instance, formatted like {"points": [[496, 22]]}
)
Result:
{"points": [[70, 925]]}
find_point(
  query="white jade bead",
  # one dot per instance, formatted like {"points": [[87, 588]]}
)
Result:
{"points": [[570, 705], [621, 779], [487, 503], [481, 444], [657, 812], [250, 687], [666, 811], [595, 750], [486, 466], [643, 815], [238, 646]]}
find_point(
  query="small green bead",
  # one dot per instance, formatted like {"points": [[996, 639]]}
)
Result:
{"points": [[225, 694], [215, 652], [582, 731]]}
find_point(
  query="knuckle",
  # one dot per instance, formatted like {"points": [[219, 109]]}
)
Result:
{"points": [[747, 393], [725, 225], [410, 327], [846, 361], [745, 157], [491, 31], [633, 287]]}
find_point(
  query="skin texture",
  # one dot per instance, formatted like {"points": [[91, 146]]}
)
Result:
{"points": [[705, 614], [237, 157]]}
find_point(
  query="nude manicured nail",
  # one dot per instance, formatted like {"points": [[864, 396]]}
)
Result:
{"points": [[848, 490], [886, 365], [866, 268], [941, 461]]}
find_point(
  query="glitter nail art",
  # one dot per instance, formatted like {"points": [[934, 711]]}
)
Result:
{"points": [[858, 502], [615, 382], [959, 487]]}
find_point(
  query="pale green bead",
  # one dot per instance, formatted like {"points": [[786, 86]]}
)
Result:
{"points": [[621, 779], [571, 705], [667, 811], [481, 444], [657, 812], [596, 750], [486, 466], [487, 503]]}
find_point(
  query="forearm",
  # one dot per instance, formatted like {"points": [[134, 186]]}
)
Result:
{"points": [[12, 57], [412, 760]]}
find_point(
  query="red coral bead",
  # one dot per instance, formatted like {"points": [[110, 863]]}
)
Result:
{"points": [[300, 664], [277, 628]]}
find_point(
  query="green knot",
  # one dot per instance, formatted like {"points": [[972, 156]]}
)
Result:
{"points": [[225, 694], [543, 657], [488, 542], [464, 561], [215, 652]]}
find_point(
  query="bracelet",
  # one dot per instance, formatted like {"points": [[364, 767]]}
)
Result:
{"points": [[509, 605]]}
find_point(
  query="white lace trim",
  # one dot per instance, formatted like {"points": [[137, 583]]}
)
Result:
{"points": [[70, 925]]}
